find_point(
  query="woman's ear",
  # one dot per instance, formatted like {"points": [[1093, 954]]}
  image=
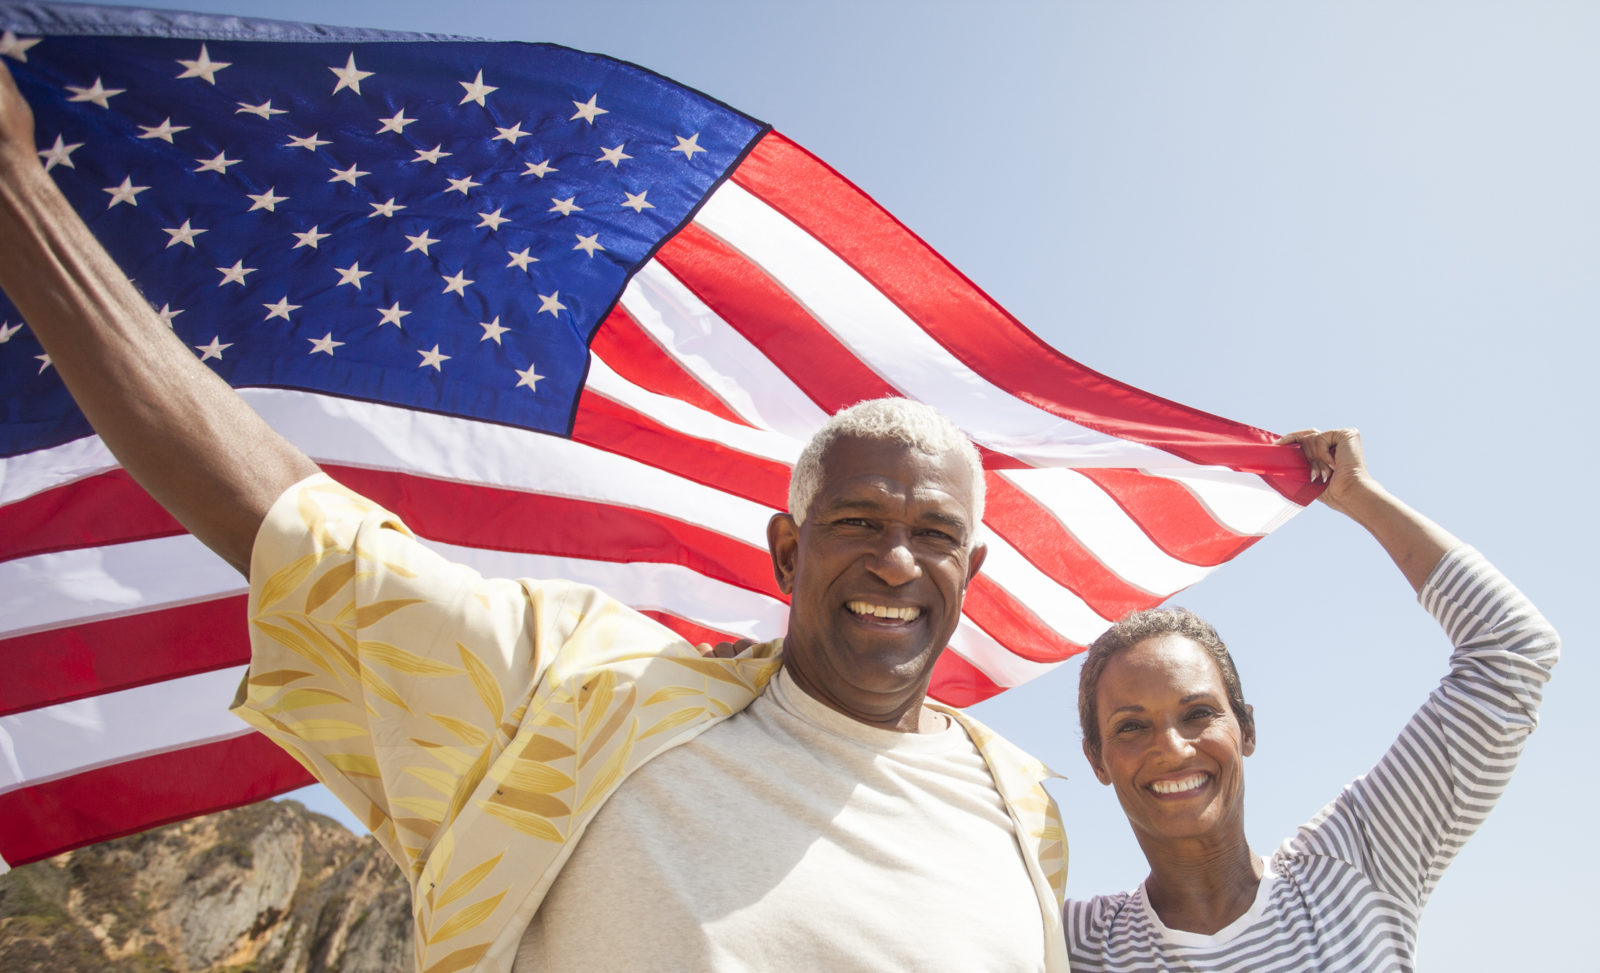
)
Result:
{"points": [[1094, 764]]}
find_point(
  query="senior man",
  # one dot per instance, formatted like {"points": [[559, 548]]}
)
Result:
{"points": [[565, 782]]}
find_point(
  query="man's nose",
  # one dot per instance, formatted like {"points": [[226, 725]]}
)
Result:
{"points": [[893, 561]]}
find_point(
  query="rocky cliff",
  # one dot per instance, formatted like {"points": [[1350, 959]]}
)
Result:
{"points": [[270, 888]]}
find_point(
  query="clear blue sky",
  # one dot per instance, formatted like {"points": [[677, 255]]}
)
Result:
{"points": [[1381, 214]]}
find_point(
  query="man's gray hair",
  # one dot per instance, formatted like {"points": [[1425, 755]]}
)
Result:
{"points": [[919, 426]]}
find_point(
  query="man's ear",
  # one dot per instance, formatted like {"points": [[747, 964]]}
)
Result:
{"points": [[1094, 765], [783, 543], [1249, 745], [975, 560]]}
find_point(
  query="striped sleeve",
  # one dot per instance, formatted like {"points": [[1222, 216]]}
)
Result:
{"points": [[1403, 822]]}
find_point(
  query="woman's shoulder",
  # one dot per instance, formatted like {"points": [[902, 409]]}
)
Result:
{"points": [[1087, 918]]}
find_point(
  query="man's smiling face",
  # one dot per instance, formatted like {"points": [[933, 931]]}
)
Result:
{"points": [[876, 575]]}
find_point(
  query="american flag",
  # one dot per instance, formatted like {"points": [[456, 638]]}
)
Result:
{"points": [[568, 319]]}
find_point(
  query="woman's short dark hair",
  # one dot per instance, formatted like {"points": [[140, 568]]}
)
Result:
{"points": [[1136, 627]]}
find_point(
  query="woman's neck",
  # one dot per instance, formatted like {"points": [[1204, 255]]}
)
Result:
{"points": [[1203, 889]]}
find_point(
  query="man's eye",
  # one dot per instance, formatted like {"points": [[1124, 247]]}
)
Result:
{"points": [[1126, 727], [1202, 713]]}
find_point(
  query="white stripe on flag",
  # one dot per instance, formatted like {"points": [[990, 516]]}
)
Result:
{"points": [[1104, 529], [718, 356], [70, 587], [894, 346], [67, 738]]}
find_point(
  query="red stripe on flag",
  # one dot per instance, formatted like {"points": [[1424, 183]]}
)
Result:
{"points": [[83, 513], [957, 682], [689, 630], [754, 305], [628, 350], [616, 428], [1038, 535], [61, 664], [108, 802], [962, 318], [1009, 622], [1173, 517], [530, 523]]}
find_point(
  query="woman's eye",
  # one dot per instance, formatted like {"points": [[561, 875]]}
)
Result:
{"points": [[1202, 713], [1131, 726]]}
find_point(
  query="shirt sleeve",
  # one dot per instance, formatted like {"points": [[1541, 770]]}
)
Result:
{"points": [[392, 674], [1404, 821]]}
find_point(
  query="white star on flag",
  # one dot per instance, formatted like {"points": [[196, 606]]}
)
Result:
{"points": [[540, 169], [309, 238], [476, 90], [268, 200], [457, 283], [7, 330], [434, 358], [96, 93], [688, 146], [492, 330], [461, 185], [235, 274], [203, 67], [164, 131], [385, 209], [59, 154], [510, 134], [431, 156], [214, 349], [588, 110], [352, 275], [127, 192], [527, 376], [566, 207], [349, 175], [396, 123], [492, 220], [551, 302], [218, 164], [167, 313], [392, 315], [264, 110], [349, 76], [308, 142], [324, 344], [588, 244], [184, 234], [16, 47], [637, 203], [44, 362], [520, 258], [422, 241], [613, 155], [281, 309]]}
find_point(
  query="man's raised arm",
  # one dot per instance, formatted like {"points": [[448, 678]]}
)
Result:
{"points": [[188, 439]]}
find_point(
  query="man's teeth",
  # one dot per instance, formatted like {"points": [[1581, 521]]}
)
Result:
{"points": [[1178, 786], [884, 611]]}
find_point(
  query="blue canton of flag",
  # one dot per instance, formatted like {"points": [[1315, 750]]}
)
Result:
{"points": [[439, 226]]}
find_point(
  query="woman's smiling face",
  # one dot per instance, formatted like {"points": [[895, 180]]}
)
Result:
{"points": [[1169, 742]]}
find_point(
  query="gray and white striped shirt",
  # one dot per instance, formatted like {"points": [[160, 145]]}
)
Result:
{"points": [[1346, 892]]}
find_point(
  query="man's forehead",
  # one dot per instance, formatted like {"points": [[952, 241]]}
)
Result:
{"points": [[864, 470]]}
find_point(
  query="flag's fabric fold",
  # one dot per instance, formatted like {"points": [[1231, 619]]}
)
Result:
{"points": [[569, 319]]}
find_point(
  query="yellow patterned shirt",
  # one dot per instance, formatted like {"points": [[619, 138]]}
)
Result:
{"points": [[477, 724]]}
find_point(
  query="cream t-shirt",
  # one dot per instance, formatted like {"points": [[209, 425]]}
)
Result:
{"points": [[791, 837]]}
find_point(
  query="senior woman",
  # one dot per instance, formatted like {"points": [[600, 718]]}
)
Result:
{"points": [[1165, 724]]}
